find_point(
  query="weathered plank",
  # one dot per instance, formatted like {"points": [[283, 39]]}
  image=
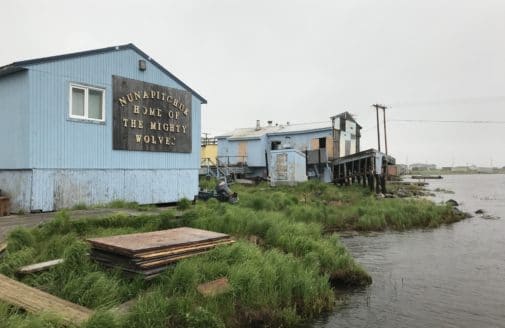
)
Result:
{"points": [[166, 116], [124, 308], [37, 267], [4, 206], [150, 241], [35, 301], [185, 250], [244, 182], [215, 287], [3, 247]]}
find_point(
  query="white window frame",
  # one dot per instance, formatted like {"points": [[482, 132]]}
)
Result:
{"points": [[86, 89]]}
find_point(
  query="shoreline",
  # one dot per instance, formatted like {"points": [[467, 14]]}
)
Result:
{"points": [[285, 225]]}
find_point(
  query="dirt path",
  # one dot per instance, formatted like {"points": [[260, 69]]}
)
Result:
{"points": [[8, 223]]}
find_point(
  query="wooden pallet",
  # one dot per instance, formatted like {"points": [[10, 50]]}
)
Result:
{"points": [[35, 301]]}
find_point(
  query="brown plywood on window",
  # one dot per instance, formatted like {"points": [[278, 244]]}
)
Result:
{"points": [[329, 147], [242, 149], [314, 144]]}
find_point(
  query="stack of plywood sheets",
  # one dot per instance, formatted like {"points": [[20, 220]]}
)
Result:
{"points": [[152, 252]]}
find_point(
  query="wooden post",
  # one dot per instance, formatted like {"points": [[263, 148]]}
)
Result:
{"points": [[4, 206], [377, 184], [378, 127]]}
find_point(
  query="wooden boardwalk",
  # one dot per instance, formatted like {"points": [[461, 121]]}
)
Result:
{"points": [[35, 301]]}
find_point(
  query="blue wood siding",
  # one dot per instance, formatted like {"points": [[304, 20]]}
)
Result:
{"points": [[226, 148], [256, 147], [255, 151], [301, 141], [59, 142], [14, 123]]}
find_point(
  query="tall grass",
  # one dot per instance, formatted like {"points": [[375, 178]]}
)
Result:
{"points": [[12, 317], [281, 279]]}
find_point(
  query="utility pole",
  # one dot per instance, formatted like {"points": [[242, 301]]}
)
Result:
{"points": [[385, 134], [378, 126], [377, 106]]}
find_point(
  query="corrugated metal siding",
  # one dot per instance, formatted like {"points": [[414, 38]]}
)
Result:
{"points": [[17, 185], [56, 189], [57, 142], [43, 194], [14, 123]]}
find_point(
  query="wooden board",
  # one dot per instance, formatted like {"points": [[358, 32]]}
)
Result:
{"points": [[35, 301], [148, 274], [3, 247], [150, 117], [125, 263], [173, 259], [214, 287], [32, 268], [184, 250], [4, 206], [120, 259], [143, 242]]}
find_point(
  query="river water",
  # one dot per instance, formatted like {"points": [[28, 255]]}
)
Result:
{"points": [[451, 276]]}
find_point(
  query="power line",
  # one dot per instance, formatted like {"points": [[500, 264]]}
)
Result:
{"points": [[452, 101], [450, 121]]}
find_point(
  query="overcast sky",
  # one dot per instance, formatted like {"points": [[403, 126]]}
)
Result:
{"points": [[303, 61]]}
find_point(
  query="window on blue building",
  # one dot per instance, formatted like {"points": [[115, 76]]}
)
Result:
{"points": [[87, 103]]}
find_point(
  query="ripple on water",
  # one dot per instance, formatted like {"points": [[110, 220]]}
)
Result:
{"points": [[453, 276]]}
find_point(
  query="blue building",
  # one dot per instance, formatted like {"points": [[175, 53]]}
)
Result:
{"points": [[320, 142], [95, 126]]}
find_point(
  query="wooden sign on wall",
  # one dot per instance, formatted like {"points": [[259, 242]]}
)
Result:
{"points": [[150, 117]]}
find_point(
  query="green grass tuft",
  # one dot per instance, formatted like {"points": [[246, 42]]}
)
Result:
{"points": [[183, 204], [280, 270]]}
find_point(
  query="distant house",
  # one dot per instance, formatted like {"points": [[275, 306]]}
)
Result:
{"points": [[319, 142], [401, 169], [422, 167], [460, 169], [208, 151], [484, 170]]}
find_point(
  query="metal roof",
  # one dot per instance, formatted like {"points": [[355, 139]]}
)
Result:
{"points": [[346, 116], [272, 130], [20, 65]]}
